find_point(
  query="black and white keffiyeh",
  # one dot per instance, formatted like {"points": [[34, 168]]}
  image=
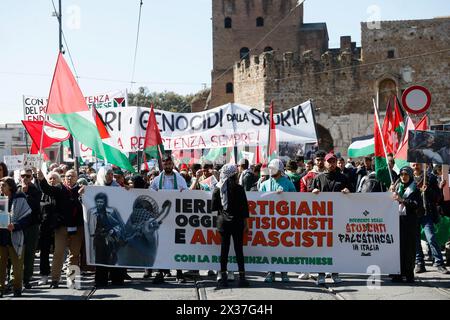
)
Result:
{"points": [[227, 171]]}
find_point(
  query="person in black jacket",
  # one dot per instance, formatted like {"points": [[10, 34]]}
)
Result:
{"points": [[408, 196], [47, 231], [230, 202], [350, 174], [68, 222], [332, 180], [428, 216], [31, 232]]}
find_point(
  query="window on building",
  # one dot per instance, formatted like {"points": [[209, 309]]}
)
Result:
{"points": [[228, 23], [244, 53], [391, 54], [268, 49], [229, 87], [260, 22]]}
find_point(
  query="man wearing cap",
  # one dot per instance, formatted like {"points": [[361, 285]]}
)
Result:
{"points": [[279, 183], [332, 180], [168, 180]]}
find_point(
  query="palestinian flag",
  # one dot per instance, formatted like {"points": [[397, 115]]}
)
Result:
{"points": [[272, 143], [67, 106], [399, 124], [119, 102], [214, 154], [153, 145], [402, 153], [392, 126], [381, 167], [361, 147]]}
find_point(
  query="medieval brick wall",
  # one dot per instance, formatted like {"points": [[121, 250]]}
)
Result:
{"points": [[244, 33], [343, 82]]}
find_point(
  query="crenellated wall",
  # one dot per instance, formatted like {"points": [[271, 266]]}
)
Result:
{"points": [[342, 82]]}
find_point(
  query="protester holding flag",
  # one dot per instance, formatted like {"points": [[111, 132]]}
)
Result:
{"points": [[279, 183], [12, 239], [407, 194], [69, 221], [332, 180], [47, 230], [230, 203], [428, 215]]}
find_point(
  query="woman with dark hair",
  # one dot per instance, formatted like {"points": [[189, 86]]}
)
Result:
{"points": [[408, 196], [230, 202], [12, 239], [3, 170]]}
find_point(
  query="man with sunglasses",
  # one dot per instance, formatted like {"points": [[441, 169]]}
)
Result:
{"points": [[31, 232]]}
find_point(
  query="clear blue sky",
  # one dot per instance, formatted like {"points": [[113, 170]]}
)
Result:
{"points": [[175, 48]]}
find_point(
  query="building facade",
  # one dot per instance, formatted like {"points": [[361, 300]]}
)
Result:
{"points": [[290, 62]]}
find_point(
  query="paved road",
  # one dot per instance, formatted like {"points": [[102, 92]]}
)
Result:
{"points": [[429, 286]]}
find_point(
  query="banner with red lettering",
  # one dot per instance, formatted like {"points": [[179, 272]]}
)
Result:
{"points": [[223, 127], [34, 108], [330, 232]]}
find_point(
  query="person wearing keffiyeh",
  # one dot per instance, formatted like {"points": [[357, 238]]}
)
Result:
{"points": [[408, 197], [229, 201]]}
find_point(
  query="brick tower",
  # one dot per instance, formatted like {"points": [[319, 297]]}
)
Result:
{"points": [[242, 28]]}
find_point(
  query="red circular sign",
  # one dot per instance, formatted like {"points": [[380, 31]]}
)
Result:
{"points": [[416, 99]]}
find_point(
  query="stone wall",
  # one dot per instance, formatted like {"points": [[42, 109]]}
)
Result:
{"points": [[343, 82], [227, 42]]}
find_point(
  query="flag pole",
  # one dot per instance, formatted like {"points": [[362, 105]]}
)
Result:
{"points": [[382, 140]]}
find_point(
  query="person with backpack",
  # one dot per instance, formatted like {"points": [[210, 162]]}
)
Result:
{"points": [[370, 183]]}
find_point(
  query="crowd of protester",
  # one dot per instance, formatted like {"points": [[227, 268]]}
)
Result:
{"points": [[46, 212]]}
